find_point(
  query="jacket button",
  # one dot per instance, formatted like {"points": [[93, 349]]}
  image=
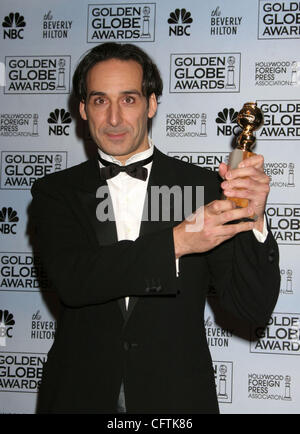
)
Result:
{"points": [[154, 289], [271, 255], [153, 285], [129, 346]]}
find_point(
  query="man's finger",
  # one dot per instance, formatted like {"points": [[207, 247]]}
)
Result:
{"points": [[250, 172], [235, 214], [223, 168], [247, 184], [256, 160], [229, 231], [217, 207]]}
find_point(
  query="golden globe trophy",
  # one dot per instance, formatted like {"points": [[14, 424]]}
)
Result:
{"points": [[250, 119]]}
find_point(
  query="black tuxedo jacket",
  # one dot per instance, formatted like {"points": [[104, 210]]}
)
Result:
{"points": [[158, 347]]}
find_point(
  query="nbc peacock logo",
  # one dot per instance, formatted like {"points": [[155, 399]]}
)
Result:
{"points": [[8, 221], [59, 121], [13, 25], [6, 323], [227, 122], [227, 116], [180, 21]]}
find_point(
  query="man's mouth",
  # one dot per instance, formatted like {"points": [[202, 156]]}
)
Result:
{"points": [[116, 135]]}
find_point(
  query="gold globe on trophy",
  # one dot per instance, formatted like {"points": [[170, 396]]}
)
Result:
{"points": [[250, 119]]}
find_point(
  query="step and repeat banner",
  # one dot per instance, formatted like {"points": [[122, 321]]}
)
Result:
{"points": [[214, 56]]}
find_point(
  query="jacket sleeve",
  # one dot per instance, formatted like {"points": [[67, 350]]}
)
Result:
{"points": [[245, 273], [85, 273]]}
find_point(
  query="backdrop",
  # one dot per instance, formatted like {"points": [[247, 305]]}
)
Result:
{"points": [[214, 56]]}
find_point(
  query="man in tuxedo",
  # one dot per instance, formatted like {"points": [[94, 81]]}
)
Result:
{"points": [[131, 335]]}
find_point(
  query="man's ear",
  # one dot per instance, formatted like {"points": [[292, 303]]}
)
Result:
{"points": [[82, 110], [152, 106]]}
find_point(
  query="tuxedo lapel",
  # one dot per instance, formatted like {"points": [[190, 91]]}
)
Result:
{"points": [[160, 176], [96, 199]]}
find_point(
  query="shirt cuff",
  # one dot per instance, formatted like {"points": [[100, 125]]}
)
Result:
{"points": [[261, 236]]}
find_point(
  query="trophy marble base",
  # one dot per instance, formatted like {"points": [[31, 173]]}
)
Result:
{"points": [[235, 157]]}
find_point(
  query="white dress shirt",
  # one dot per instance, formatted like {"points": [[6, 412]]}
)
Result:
{"points": [[128, 196]]}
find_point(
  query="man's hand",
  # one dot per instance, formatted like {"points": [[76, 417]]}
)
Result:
{"points": [[201, 235], [250, 182], [247, 181]]}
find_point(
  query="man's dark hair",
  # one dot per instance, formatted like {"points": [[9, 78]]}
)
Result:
{"points": [[152, 82]]}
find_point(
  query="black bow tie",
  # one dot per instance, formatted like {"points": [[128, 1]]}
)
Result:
{"points": [[136, 170]]}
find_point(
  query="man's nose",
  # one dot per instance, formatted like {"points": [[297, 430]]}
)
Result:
{"points": [[114, 114]]}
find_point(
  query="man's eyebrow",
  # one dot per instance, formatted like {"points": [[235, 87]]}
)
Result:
{"points": [[124, 92], [95, 93], [132, 91]]}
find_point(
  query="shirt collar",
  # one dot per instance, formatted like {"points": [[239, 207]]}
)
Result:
{"points": [[133, 159]]}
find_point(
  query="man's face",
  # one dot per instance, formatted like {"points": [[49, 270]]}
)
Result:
{"points": [[115, 108]]}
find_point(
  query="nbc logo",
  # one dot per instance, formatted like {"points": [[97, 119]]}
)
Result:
{"points": [[6, 323], [13, 25], [59, 117], [226, 121], [8, 221], [179, 22]]}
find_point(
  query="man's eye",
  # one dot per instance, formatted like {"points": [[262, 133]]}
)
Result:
{"points": [[99, 100], [129, 99]]}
